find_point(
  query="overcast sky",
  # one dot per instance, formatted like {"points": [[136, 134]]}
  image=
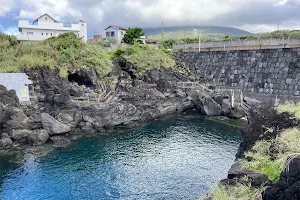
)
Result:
{"points": [[251, 15]]}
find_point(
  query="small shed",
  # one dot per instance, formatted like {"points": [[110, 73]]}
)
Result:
{"points": [[18, 82]]}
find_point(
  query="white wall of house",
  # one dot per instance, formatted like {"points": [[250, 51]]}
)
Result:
{"points": [[117, 33], [40, 34], [46, 27], [121, 34]]}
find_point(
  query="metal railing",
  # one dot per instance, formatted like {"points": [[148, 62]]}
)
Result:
{"points": [[235, 96], [240, 44]]}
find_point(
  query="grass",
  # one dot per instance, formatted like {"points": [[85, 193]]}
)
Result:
{"points": [[291, 108], [65, 52], [239, 191], [143, 57], [287, 145]]}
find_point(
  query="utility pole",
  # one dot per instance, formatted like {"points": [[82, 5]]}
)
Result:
{"points": [[185, 34], [278, 25], [162, 32], [198, 33]]}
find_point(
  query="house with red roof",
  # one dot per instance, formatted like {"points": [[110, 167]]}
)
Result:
{"points": [[116, 32]]}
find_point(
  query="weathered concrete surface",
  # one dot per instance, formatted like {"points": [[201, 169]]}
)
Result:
{"points": [[273, 71]]}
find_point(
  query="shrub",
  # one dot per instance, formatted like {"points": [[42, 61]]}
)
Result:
{"points": [[27, 55], [144, 57], [94, 56], [64, 41], [64, 52], [291, 108], [132, 35], [168, 44]]}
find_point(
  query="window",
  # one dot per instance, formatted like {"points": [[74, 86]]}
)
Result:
{"points": [[46, 18], [122, 32], [42, 33], [46, 33], [112, 34], [82, 24], [30, 33], [51, 34]]}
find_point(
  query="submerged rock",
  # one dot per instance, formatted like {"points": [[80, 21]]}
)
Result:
{"points": [[59, 141], [52, 126]]}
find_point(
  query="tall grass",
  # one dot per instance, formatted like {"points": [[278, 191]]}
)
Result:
{"points": [[65, 52], [144, 57], [292, 108], [263, 161], [239, 191]]}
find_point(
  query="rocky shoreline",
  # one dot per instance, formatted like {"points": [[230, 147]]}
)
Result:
{"points": [[56, 115], [289, 183], [56, 118]]}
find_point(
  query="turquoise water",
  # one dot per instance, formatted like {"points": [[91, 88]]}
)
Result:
{"points": [[179, 157]]}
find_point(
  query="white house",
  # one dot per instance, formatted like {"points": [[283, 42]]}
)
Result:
{"points": [[116, 32], [45, 26]]}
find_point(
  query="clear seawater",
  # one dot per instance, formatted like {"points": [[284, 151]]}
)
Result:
{"points": [[179, 157]]}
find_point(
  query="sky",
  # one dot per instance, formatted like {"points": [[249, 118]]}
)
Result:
{"points": [[251, 15]]}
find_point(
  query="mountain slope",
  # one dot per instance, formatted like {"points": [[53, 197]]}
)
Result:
{"points": [[177, 33]]}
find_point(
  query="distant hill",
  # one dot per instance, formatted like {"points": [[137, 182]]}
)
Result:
{"points": [[177, 33]]}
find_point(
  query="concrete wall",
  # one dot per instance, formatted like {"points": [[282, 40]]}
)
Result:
{"points": [[272, 71]]}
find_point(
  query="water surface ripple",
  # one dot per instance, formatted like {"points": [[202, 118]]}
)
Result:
{"points": [[179, 157]]}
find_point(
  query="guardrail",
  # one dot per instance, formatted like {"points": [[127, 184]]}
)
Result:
{"points": [[240, 44], [235, 96]]}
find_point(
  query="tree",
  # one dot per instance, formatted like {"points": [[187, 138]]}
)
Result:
{"points": [[133, 34]]}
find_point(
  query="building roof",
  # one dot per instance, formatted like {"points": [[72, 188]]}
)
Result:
{"points": [[44, 15], [118, 27], [81, 21]]}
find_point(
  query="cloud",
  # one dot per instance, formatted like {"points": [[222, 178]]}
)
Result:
{"points": [[9, 31], [253, 15], [58, 9], [6, 6]]}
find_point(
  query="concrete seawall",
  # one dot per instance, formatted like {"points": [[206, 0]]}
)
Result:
{"points": [[266, 72]]}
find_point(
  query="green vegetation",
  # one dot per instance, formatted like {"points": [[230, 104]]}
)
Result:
{"points": [[278, 34], [269, 157], [64, 52], [132, 35], [291, 108], [272, 163], [168, 44], [261, 161], [143, 57], [3, 37], [239, 191], [208, 32], [68, 52]]}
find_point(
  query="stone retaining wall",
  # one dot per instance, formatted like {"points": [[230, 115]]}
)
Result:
{"points": [[272, 71]]}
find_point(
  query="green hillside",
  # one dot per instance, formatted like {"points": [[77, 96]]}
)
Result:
{"points": [[177, 33]]}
